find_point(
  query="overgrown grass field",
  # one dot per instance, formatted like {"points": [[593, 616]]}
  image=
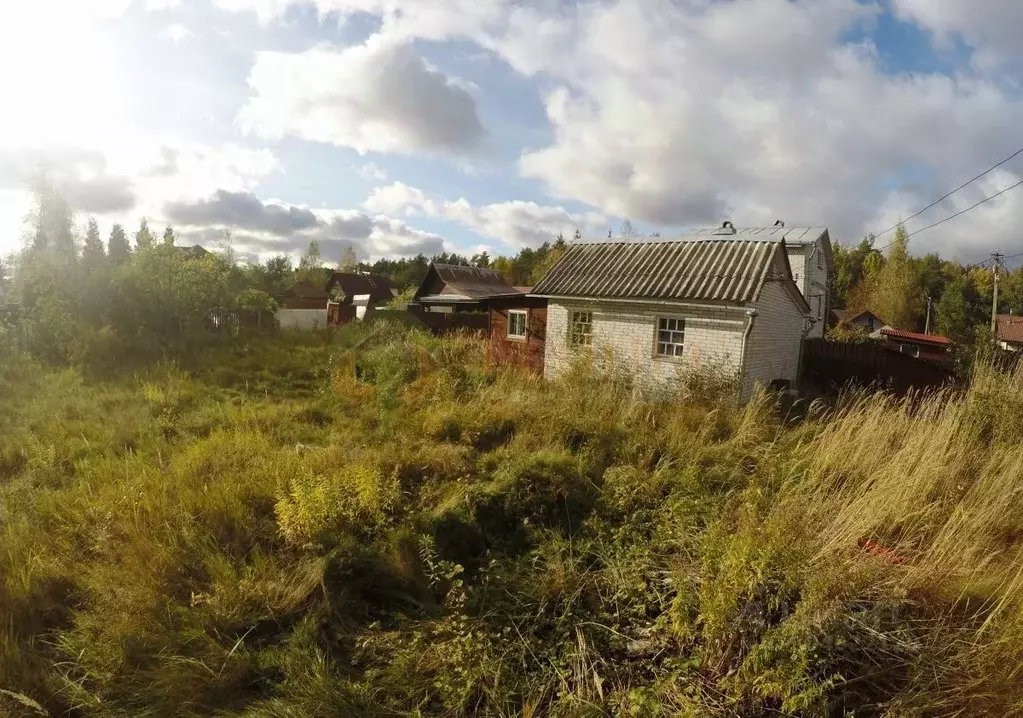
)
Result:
{"points": [[375, 523]]}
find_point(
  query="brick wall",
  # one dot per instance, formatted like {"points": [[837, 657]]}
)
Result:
{"points": [[772, 351], [528, 352], [713, 337]]}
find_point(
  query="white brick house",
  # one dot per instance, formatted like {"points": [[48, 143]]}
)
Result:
{"points": [[664, 307], [810, 258]]}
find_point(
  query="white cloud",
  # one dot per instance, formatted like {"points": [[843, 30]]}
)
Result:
{"points": [[399, 198], [379, 96], [176, 32], [516, 223], [371, 173], [991, 27], [688, 112]]}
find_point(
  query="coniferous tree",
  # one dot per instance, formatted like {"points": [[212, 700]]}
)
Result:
{"points": [[144, 237], [118, 249], [92, 252], [168, 236]]}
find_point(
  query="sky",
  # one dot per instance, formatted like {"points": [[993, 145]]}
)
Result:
{"points": [[406, 126]]}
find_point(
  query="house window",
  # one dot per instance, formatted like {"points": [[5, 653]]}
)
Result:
{"points": [[820, 259], [581, 329], [516, 323], [671, 335]]}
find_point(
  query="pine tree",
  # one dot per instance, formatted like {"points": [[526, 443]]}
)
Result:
{"points": [[144, 237], [118, 249], [92, 252], [168, 236]]}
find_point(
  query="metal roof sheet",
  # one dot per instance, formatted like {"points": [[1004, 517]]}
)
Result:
{"points": [[915, 336], [723, 269], [791, 235], [472, 282]]}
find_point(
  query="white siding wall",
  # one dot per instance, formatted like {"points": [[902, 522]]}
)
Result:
{"points": [[774, 345], [811, 276], [302, 318], [713, 337]]}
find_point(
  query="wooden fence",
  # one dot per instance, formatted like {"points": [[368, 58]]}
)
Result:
{"points": [[838, 364]]}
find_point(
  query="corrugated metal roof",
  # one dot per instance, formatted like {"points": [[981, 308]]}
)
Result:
{"points": [[791, 235], [725, 270], [471, 282], [915, 336]]}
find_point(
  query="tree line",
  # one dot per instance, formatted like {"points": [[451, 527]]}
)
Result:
{"points": [[896, 286]]}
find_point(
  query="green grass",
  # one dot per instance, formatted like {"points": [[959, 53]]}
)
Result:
{"points": [[374, 523]]}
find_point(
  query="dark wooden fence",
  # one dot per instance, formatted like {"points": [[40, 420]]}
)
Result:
{"points": [[838, 364]]}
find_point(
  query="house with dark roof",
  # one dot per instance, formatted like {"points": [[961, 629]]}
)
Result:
{"points": [[344, 286], [1009, 332], [664, 307], [452, 288]]}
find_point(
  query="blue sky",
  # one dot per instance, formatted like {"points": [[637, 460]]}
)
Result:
{"points": [[400, 126]]}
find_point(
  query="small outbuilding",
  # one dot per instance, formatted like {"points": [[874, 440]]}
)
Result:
{"points": [[303, 307], [933, 348], [518, 329], [858, 318], [343, 287], [450, 288], [664, 307]]}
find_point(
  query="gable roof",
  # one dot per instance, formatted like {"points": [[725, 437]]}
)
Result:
{"points": [[849, 315], [915, 337], [722, 270], [376, 286], [1009, 327], [467, 284], [793, 236], [301, 290]]}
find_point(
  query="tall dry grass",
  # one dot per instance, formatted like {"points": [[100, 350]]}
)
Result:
{"points": [[376, 523]]}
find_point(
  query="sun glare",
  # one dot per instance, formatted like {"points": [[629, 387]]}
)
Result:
{"points": [[58, 78]]}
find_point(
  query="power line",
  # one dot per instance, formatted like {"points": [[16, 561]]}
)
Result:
{"points": [[963, 211], [944, 197]]}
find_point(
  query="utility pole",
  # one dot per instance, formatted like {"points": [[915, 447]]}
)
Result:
{"points": [[927, 324], [997, 256]]}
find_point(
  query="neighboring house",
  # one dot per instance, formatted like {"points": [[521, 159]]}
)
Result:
{"points": [[810, 259], [452, 288], [303, 307], [668, 306], [928, 347], [194, 252], [518, 329], [858, 318], [1009, 332], [344, 286]]}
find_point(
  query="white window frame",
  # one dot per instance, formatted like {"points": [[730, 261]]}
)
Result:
{"points": [[572, 334], [525, 324], [674, 326]]}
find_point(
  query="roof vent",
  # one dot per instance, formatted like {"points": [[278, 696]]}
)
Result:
{"points": [[779, 223], [726, 228]]}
